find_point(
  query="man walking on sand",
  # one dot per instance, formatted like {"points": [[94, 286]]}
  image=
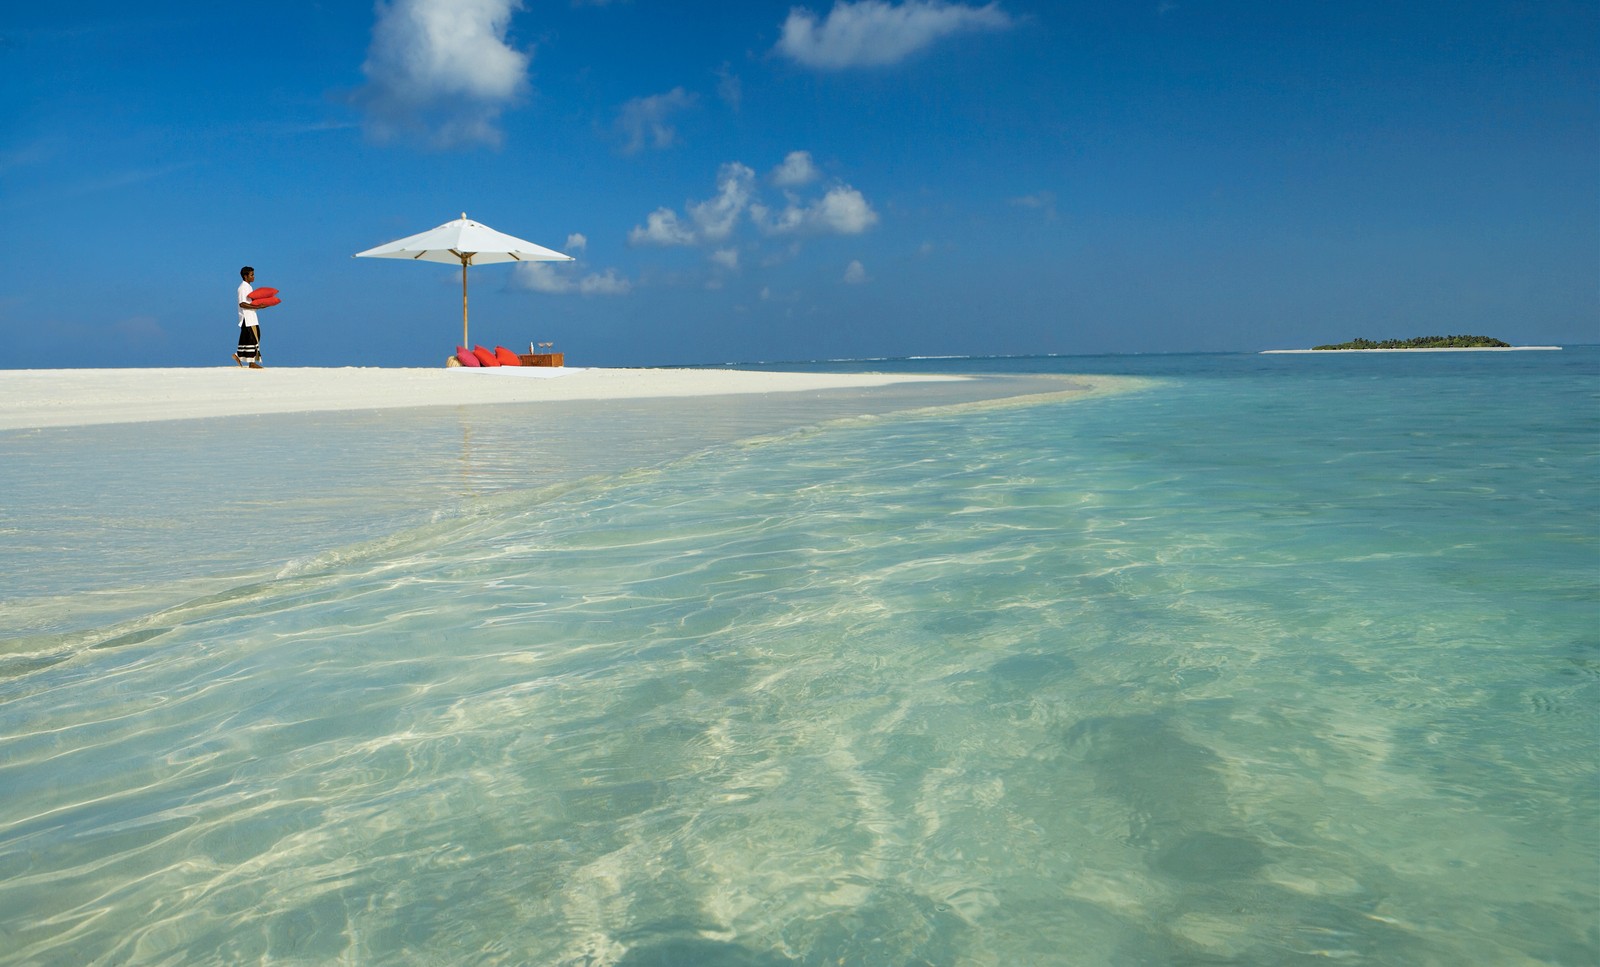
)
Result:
{"points": [[249, 329]]}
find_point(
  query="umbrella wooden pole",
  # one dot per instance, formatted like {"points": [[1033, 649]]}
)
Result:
{"points": [[464, 341]]}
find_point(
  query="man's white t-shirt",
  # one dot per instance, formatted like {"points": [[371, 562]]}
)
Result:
{"points": [[247, 317]]}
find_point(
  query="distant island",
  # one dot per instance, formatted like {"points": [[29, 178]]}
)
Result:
{"points": [[1436, 344], [1422, 342]]}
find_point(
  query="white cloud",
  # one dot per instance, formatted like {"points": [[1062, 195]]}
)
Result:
{"points": [[442, 68], [546, 277], [712, 220], [842, 211], [873, 33], [604, 283], [644, 119], [577, 242], [797, 169], [716, 217], [786, 221], [661, 227], [728, 258], [855, 273], [541, 277]]}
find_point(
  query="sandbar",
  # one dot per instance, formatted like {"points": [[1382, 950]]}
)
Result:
{"points": [[36, 399]]}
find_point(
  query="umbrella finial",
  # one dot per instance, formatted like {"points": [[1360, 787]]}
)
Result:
{"points": [[463, 216]]}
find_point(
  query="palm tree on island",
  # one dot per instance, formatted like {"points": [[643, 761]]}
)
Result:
{"points": [[1424, 342]]}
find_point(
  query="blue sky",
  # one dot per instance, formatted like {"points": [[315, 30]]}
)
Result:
{"points": [[797, 180]]}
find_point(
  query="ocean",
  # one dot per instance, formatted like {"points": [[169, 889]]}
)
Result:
{"points": [[1248, 660]]}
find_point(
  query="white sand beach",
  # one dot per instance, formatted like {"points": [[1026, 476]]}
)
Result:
{"points": [[82, 397]]}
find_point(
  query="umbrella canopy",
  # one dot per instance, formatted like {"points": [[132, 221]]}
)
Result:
{"points": [[469, 243]]}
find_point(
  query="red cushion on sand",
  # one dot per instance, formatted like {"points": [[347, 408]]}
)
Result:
{"points": [[256, 295], [485, 356], [506, 356], [467, 357]]}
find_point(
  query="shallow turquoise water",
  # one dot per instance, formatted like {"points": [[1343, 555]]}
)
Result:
{"points": [[1271, 661]]}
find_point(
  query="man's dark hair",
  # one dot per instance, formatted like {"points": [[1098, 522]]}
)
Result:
{"points": [[246, 271]]}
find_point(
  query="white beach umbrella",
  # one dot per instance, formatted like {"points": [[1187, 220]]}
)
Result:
{"points": [[469, 243]]}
